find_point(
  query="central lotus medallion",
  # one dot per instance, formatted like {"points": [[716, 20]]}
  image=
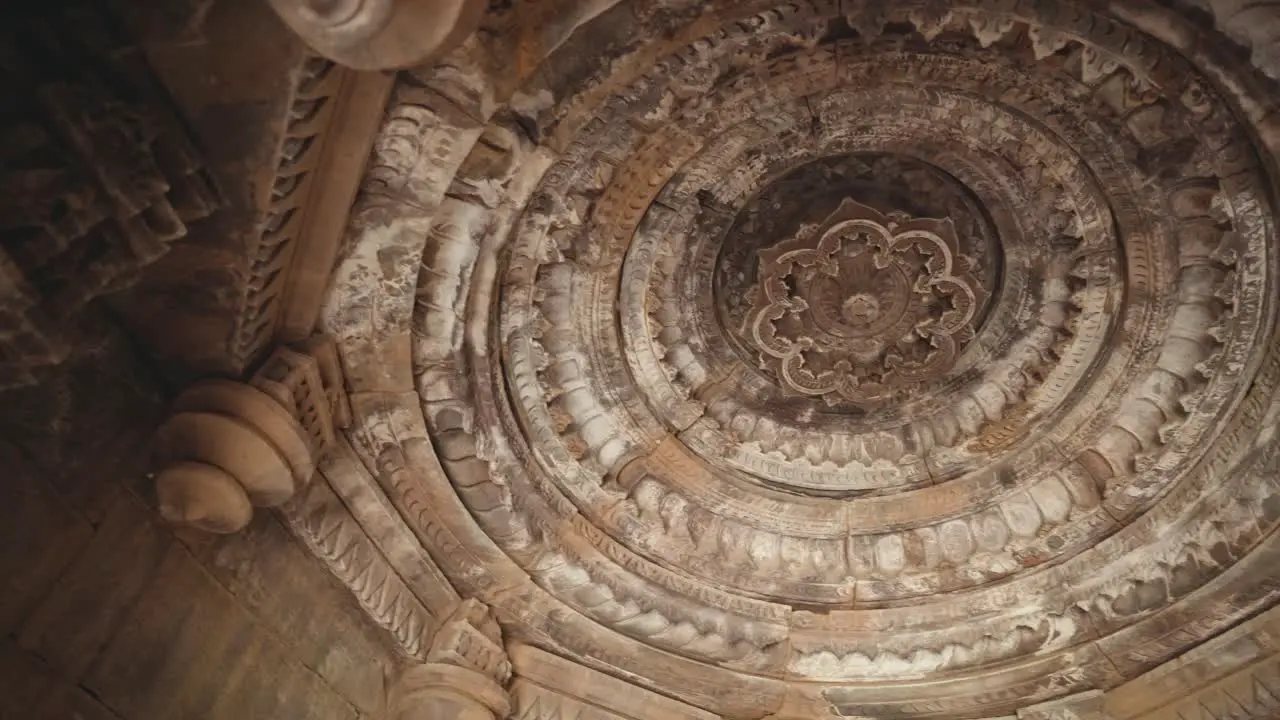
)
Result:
{"points": [[863, 306]]}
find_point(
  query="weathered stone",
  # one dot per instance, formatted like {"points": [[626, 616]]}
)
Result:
{"points": [[83, 611], [100, 177], [40, 538], [823, 359], [34, 689]]}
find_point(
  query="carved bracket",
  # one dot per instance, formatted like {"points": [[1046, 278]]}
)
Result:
{"points": [[471, 639], [464, 675]]}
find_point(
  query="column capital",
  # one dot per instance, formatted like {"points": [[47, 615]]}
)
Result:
{"points": [[229, 446], [471, 639]]}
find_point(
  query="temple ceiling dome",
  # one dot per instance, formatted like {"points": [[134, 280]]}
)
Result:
{"points": [[829, 345]]}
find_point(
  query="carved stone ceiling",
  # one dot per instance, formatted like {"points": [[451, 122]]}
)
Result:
{"points": [[830, 358]]}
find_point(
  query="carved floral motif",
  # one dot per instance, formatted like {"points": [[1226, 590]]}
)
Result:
{"points": [[865, 306]]}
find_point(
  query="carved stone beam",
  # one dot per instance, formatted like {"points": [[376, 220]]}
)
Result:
{"points": [[230, 446], [1081, 706], [381, 34], [464, 676]]}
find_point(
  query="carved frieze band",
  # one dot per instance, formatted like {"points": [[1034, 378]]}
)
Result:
{"points": [[1234, 676], [323, 150], [316, 515]]}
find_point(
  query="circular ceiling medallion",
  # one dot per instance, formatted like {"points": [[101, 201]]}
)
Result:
{"points": [[859, 307]]}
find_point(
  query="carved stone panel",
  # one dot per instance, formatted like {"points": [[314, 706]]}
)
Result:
{"points": [[99, 179]]}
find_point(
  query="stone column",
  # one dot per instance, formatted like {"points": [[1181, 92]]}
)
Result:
{"points": [[464, 676], [381, 34], [230, 446]]}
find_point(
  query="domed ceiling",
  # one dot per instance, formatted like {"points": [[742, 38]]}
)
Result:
{"points": [[830, 358]]}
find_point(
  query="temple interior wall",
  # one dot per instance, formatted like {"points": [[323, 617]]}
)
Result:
{"points": [[106, 612]]}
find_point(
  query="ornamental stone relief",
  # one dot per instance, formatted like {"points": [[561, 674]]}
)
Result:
{"points": [[830, 359], [863, 307]]}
